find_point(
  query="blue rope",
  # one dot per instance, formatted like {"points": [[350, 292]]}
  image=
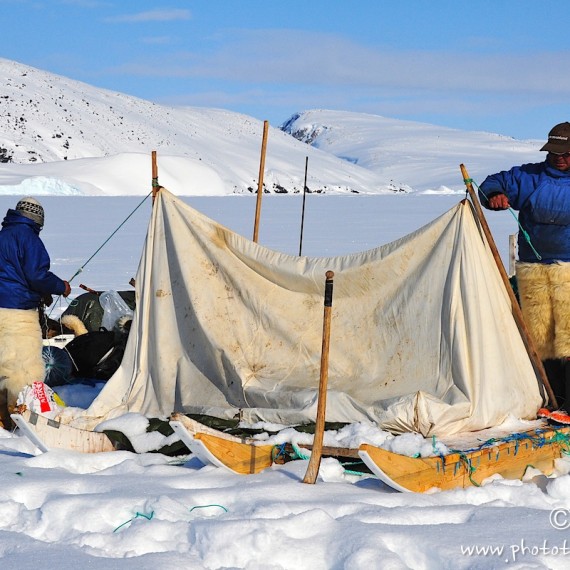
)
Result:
{"points": [[278, 451], [523, 231], [537, 440]]}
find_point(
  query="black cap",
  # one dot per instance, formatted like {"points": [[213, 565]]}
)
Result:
{"points": [[558, 139]]}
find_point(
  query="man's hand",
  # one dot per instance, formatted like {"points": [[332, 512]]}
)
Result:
{"points": [[67, 289], [498, 202]]}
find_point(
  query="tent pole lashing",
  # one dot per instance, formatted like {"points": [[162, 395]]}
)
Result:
{"points": [[155, 185]]}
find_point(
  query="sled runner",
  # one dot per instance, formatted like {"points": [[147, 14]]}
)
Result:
{"points": [[213, 447], [48, 434], [243, 455], [537, 448]]}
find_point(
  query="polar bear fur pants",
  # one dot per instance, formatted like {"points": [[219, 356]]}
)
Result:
{"points": [[21, 361], [544, 291]]}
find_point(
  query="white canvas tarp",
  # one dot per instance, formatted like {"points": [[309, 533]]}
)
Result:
{"points": [[422, 335]]}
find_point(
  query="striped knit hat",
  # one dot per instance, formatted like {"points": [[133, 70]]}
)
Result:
{"points": [[31, 208]]}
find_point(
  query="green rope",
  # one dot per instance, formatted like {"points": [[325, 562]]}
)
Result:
{"points": [[206, 506], [523, 231], [142, 515], [299, 453], [469, 468], [563, 439], [433, 444], [359, 473], [538, 440]]}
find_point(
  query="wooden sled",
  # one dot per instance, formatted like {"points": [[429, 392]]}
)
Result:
{"points": [[213, 447], [48, 434], [244, 455], [537, 448]]}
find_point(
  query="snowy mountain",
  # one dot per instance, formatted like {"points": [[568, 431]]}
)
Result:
{"points": [[423, 156], [52, 128], [46, 118]]}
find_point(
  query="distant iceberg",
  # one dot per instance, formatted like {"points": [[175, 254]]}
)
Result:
{"points": [[40, 186]]}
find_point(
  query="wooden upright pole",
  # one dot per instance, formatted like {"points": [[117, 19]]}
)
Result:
{"points": [[316, 452], [260, 182], [155, 185], [303, 209], [517, 313]]}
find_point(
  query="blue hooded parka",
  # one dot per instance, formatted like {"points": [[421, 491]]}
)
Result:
{"points": [[24, 264], [541, 194]]}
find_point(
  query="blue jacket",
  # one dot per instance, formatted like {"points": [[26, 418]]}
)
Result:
{"points": [[541, 194], [24, 265]]}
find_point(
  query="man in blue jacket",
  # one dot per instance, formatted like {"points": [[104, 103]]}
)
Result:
{"points": [[25, 280], [541, 194]]}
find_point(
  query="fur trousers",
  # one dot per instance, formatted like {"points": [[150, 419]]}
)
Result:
{"points": [[21, 361], [544, 291]]}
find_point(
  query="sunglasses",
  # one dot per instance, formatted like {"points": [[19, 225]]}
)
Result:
{"points": [[560, 154]]}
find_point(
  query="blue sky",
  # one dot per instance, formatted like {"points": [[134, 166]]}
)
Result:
{"points": [[493, 65]]}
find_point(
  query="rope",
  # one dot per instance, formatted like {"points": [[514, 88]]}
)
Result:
{"points": [[109, 238], [537, 440], [469, 468], [142, 515], [523, 231], [298, 453], [278, 451], [359, 473], [103, 245], [206, 506]]}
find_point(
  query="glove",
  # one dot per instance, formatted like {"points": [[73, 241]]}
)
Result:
{"points": [[67, 289], [47, 300]]}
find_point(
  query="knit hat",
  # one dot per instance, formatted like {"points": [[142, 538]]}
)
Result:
{"points": [[558, 139], [32, 209]]}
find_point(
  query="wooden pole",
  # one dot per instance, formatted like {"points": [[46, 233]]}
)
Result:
{"points": [[155, 185], [315, 460], [89, 290], [303, 209], [517, 313], [260, 182], [512, 255]]}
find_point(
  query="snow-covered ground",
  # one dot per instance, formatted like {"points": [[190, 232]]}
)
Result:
{"points": [[123, 510]]}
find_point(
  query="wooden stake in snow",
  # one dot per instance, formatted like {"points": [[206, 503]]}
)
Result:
{"points": [[315, 460], [517, 313], [260, 182]]}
